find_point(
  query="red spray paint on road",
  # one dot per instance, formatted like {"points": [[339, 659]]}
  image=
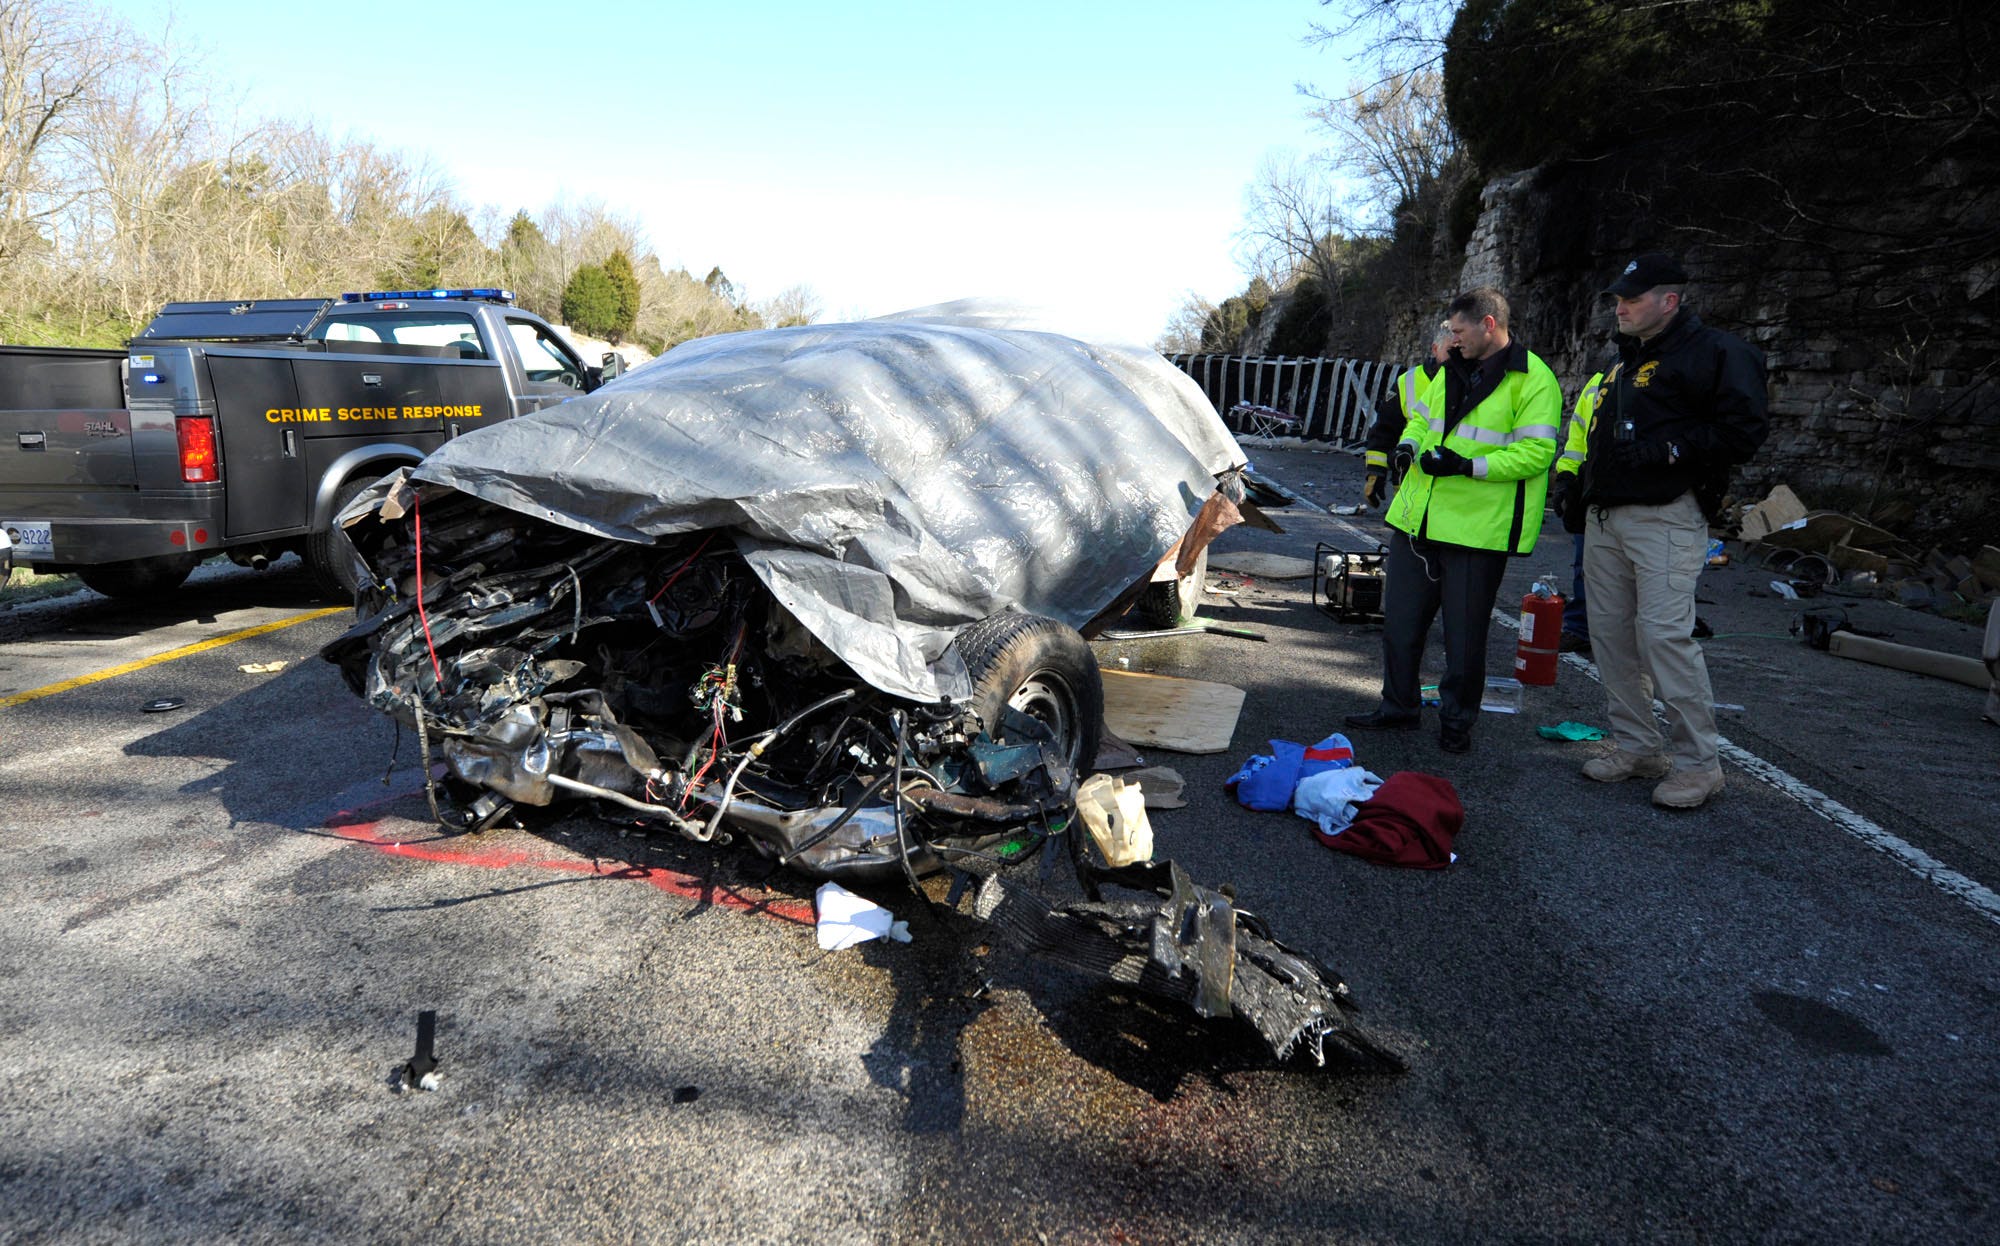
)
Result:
{"points": [[360, 828]]}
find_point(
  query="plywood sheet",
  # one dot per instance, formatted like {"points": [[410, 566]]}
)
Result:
{"points": [[1263, 565], [1184, 715]]}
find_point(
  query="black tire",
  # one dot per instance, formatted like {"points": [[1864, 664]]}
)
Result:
{"points": [[325, 559], [1043, 668], [139, 577], [1170, 602]]}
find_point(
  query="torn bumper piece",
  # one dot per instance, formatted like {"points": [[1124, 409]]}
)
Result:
{"points": [[1190, 943]]}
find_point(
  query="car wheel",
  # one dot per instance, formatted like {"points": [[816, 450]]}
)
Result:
{"points": [[1166, 603], [325, 559], [139, 577], [1042, 668]]}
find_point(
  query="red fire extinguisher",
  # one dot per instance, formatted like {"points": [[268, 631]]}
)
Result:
{"points": [[1540, 645]]}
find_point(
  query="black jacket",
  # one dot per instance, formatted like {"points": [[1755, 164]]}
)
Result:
{"points": [[1700, 389], [1390, 417]]}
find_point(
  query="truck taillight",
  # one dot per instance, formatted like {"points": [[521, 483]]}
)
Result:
{"points": [[198, 461]]}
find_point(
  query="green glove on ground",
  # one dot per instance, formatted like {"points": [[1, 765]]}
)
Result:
{"points": [[1570, 731]]}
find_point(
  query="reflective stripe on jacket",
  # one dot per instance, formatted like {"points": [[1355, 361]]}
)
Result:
{"points": [[1510, 438], [1383, 433], [1578, 442]]}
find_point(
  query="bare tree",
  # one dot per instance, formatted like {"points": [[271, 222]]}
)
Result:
{"points": [[1292, 221], [1398, 147], [53, 57], [1185, 329], [794, 305]]}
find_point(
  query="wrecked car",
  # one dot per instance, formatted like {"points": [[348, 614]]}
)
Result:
{"points": [[825, 590]]}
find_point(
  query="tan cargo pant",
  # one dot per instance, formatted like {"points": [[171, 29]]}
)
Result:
{"points": [[1640, 564]]}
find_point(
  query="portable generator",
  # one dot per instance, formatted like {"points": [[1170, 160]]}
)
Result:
{"points": [[1347, 584]]}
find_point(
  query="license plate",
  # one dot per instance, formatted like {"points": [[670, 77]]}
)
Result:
{"points": [[32, 538]]}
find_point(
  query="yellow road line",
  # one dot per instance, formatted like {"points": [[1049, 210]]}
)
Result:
{"points": [[214, 642]]}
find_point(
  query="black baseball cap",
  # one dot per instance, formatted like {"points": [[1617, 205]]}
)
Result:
{"points": [[1654, 268]]}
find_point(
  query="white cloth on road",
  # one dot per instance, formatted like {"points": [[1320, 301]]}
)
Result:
{"points": [[846, 919]]}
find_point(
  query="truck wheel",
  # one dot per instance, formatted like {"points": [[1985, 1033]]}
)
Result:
{"points": [[1042, 668], [139, 577], [331, 574], [1166, 603]]}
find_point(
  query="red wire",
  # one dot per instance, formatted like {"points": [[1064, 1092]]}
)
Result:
{"points": [[417, 515], [683, 567]]}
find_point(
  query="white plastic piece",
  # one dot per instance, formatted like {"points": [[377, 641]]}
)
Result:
{"points": [[846, 919], [1114, 812]]}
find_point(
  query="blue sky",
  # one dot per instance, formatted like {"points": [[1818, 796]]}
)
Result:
{"points": [[1087, 157]]}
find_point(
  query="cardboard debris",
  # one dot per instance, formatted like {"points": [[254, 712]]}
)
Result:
{"points": [[1780, 508], [1822, 530], [1867, 555]]}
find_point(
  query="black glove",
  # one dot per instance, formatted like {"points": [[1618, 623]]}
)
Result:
{"points": [[1442, 462], [1375, 486], [1566, 500], [1646, 452], [1399, 462]]}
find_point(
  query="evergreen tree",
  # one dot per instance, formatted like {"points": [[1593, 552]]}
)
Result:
{"points": [[618, 267], [590, 303]]}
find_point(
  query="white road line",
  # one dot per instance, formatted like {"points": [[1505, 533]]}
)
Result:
{"points": [[1911, 857]]}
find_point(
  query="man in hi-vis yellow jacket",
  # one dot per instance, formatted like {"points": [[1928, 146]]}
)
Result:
{"points": [[1473, 463]]}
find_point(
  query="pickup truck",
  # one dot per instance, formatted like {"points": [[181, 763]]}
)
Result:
{"points": [[242, 428]]}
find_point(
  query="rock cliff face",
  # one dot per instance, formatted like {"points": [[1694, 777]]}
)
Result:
{"points": [[1884, 355]]}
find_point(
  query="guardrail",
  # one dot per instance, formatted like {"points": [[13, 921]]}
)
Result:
{"points": [[1332, 399]]}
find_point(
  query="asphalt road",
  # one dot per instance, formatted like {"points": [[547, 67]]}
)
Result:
{"points": [[1769, 1019]]}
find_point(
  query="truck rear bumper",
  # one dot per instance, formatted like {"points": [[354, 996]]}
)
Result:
{"points": [[89, 542]]}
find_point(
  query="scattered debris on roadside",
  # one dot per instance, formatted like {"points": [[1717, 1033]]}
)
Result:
{"points": [[1826, 551], [1819, 552], [161, 705], [262, 668]]}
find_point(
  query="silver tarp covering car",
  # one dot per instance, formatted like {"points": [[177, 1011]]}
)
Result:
{"points": [[889, 481]]}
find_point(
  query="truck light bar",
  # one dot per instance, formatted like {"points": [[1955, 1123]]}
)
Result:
{"points": [[491, 294]]}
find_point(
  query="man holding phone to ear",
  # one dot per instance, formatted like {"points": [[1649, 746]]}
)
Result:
{"points": [[1474, 461]]}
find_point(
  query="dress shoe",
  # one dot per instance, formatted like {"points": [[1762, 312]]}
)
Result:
{"points": [[1618, 766], [1382, 720], [1571, 642], [1688, 789], [1455, 739]]}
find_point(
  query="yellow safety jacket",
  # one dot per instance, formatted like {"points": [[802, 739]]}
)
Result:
{"points": [[1578, 443], [1510, 438], [1408, 387]]}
